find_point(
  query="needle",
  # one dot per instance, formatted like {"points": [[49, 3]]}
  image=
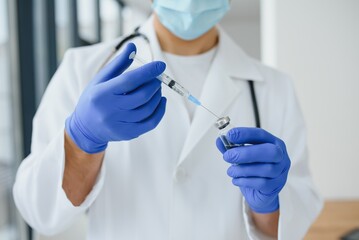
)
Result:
{"points": [[175, 86], [210, 111]]}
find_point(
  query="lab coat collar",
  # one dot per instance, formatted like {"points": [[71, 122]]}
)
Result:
{"points": [[221, 87], [149, 31], [235, 62]]}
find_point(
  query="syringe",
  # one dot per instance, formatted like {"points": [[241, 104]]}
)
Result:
{"points": [[175, 86]]}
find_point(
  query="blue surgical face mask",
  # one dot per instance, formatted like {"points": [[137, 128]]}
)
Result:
{"points": [[190, 19]]}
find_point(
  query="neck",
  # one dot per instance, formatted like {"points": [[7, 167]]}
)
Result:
{"points": [[172, 44]]}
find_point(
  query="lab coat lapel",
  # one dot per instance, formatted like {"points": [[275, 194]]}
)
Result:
{"points": [[218, 93], [220, 90]]}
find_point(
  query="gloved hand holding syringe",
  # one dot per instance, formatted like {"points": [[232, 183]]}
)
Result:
{"points": [[175, 86]]}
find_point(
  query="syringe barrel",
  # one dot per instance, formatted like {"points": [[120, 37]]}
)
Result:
{"points": [[165, 79], [175, 86]]}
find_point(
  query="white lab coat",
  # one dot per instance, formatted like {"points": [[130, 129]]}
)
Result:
{"points": [[170, 183]]}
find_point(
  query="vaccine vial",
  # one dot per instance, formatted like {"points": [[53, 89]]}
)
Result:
{"points": [[224, 125]]}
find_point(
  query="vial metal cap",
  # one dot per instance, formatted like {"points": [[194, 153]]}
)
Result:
{"points": [[222, 122]]}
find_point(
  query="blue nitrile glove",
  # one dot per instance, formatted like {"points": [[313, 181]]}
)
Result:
{"points": [[118, 106], [260, 170]]}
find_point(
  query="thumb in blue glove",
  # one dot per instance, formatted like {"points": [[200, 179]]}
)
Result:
{"points": [[260, 169], [118, 106]]}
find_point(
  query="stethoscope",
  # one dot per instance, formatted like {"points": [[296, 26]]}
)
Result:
{"points": [[136, 33]]}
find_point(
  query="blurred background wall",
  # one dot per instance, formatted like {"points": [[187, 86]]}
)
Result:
{"points": [[314, 41], [317, 43]]}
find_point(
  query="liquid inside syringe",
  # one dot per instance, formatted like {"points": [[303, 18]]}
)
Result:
{"points": [[175, 86]]}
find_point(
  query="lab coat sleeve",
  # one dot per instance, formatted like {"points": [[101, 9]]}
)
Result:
{"points": [[38, 191], [299, 201]]}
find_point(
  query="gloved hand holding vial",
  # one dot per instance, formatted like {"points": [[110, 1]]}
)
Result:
{"points": [[259, 164]]}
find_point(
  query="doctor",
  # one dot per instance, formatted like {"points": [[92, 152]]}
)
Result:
{"points": [[143, 162]]}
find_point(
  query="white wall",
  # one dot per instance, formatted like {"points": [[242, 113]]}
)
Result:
{"points": [[246, 34], [243, 24], [317, 43]]}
